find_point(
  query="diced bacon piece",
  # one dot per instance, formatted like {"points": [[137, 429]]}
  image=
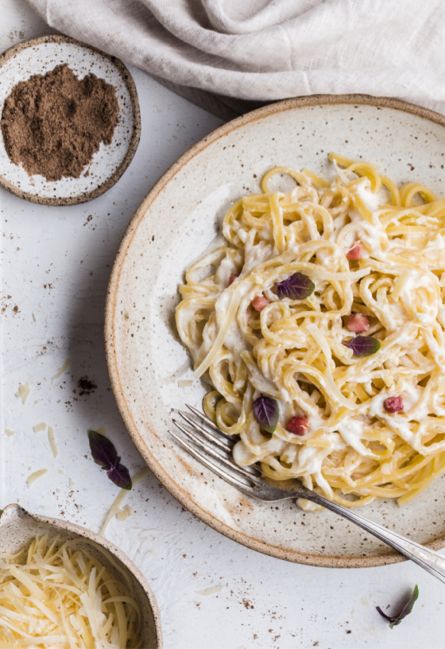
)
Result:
{"points": [[298, 425], [355, 252], [259, 302], [232, 278], [357, 322], [393, 404]]}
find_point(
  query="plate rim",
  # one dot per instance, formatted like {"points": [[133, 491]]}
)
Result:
{"points": [[176, 490], [132, 145]]}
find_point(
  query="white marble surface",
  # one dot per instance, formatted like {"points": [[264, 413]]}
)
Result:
{"points": [[213, 593]]}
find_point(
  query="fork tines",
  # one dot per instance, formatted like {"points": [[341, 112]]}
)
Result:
{"points": [[212, 448]]}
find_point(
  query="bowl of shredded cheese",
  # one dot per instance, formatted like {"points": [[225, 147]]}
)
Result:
{"points": [[63, 586]]}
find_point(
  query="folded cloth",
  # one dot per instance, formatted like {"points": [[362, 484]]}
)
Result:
{"points": [[262, 50]]}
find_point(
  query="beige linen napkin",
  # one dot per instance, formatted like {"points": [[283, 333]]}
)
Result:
{"points": [[260, 50]]}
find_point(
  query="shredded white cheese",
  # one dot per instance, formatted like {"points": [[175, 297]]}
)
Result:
{"points": [[185, 383], [23, 392], [115, 505], [211, 590], [124, 513], [39, 427], [56, 593], [52, 441], [112, 510], [35, 476]]}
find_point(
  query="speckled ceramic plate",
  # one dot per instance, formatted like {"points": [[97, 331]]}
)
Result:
{"points": [[39, 56], [18, 527], [150, 369]]}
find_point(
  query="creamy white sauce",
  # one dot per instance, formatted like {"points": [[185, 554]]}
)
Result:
{"points": [[343, 174], [242, 456], [369, 198], [233, 339], [260, 382], [415, 402], [255, 255], [310, 459], [245, 454], [419, 292], [437, 244], [376, 407], [289, 454], [225, 270], [411, 395], [243, 235], [400, 422], [327, 258], [371, 235], [351, 429]]}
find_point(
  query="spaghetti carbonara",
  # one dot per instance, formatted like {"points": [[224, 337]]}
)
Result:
{"points": [[319, 323]]}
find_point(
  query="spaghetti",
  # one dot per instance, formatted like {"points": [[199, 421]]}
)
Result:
{"points": [[319, 323]]}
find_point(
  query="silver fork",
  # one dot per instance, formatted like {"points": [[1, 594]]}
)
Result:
{"points": [[199, 436]]}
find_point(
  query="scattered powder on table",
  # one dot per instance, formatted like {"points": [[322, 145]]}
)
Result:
{"points": [[86, 386], [52, 124]]}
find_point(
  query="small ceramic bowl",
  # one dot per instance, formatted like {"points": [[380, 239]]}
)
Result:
{"points": [[18, 527], [39, 56]]}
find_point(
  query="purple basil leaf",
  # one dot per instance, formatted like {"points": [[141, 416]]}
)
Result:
{"points": [[297, 287], [105, 454], [265, 411], [120, 476], [102, 450], [363, 345], [405, 609]]}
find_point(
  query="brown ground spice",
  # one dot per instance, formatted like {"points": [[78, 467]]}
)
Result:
{"points": [[52, 124], [86, 386]]}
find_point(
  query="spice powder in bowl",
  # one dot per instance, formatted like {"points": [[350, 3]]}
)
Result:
{"points": [[52, 124]]}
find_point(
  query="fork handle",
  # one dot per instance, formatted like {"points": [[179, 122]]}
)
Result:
{"points": [[429, 560]]}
